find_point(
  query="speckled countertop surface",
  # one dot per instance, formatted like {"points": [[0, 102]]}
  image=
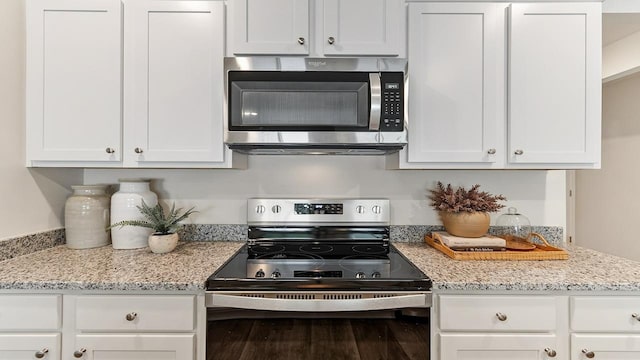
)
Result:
{"points": [[188, 267], [586, 270], [185, 268]]}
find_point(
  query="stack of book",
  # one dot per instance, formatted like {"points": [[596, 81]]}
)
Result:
{"points": [[456, 243]]}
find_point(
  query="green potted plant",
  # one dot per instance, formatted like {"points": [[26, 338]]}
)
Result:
{"points": [[464, 212], [165, 225]]}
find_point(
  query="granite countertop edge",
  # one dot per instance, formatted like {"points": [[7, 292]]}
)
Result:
{"points": [[187, 268]]}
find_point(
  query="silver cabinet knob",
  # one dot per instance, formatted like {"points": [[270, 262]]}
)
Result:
{"points": [[550, 352], [491, 151], [588, 354], [301, 40], [42, 353], [131, 316], [331, 40], [501, 316], [79, 353], [138, 150], [518, 152], [635, 316], [110, 150]]}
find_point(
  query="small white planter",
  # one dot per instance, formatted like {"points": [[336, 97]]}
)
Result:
{"points": [[161, 244]]}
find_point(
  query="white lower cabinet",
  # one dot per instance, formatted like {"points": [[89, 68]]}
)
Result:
{"points": [[605, 327], [23, 346], [136, 327], [498, 346], [135, 346], [30, 327]]}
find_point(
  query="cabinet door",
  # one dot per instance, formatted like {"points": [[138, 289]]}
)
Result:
{"points": [[555, 83], [610, 347], [362, 27], [30, 346], [454, 58], [73, 105], [173, 82], [268, 27], [134, 347], [498, 346]]}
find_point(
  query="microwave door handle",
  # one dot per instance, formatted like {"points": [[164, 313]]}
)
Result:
{"points": [[376, 101]]}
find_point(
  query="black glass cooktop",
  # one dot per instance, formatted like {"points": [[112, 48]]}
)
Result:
{"points": [[402, 276]]}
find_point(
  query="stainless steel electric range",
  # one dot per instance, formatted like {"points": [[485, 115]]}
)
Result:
{"points": [[318, 255], [318, 279]]}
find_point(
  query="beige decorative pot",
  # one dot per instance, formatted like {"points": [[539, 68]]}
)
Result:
{"points": [[160, 244], [465, 224]]}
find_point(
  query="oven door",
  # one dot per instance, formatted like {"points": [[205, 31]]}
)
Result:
{"points": [[315, 325]]}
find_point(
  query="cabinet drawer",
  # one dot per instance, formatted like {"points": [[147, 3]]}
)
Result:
{"points": [[30, 312], [135, 313], [498, 313], [605, 313]]}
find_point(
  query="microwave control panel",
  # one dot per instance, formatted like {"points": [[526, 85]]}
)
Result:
{"points": [[392, 106]]}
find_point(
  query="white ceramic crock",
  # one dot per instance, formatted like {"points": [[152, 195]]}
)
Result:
{"points": [[124, 205]]}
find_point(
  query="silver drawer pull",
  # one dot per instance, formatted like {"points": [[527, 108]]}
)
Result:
{"points": [[79, 353], [131, 316], [331, 40], [110, 150], [518, 152], [550, 352], [138, 150], [635, 316], [301, 40], [491, 151], [42, 353], [588, 354], [501, 316]]}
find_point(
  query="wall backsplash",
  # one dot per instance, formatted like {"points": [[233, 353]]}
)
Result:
{"points": [[220, 195], [27, 244]]}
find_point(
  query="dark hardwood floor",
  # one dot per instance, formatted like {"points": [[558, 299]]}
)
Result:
{"points": [[310, 339]]}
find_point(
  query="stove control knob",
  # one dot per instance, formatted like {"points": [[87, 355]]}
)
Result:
{"points": [[376, 209], [360, 275], [260, 274], [360, 209], [276, 209], [376, 275], [260, 209], [276, 274]]}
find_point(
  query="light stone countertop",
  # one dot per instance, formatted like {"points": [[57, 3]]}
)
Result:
{"points": [[60, 268], [586, 270], [191, 263]]}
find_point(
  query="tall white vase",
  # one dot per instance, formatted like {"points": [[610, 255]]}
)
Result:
{"points": [[124, 205]]}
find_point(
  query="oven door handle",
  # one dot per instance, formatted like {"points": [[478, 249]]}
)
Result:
{"points": [[375, 90], [318, 305]]}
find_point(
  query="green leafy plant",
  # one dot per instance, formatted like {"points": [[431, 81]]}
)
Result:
{"points": [[156, 219], [448, 199]]}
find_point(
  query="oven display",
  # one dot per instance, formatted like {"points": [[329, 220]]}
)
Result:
{"points": [[309, 209], [317, 274]]}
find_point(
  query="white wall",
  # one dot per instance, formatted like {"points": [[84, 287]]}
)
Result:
{"points": [[30, 200], [608, 200], [220, 195]]}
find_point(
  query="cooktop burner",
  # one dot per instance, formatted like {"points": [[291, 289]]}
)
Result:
{"points": [[384, 272]]}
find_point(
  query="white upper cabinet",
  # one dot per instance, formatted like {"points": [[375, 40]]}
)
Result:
{"points": [[269, 27], [485, 95], [454, 61], [555, 83], [173, 82], [73, 101], [362, 27], [340, 27]]}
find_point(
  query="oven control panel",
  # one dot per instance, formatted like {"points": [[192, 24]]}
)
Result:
{"points": [[321, 211]]}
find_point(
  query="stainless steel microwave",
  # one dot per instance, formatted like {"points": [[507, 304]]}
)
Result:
{"points": [[294, 105]]}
